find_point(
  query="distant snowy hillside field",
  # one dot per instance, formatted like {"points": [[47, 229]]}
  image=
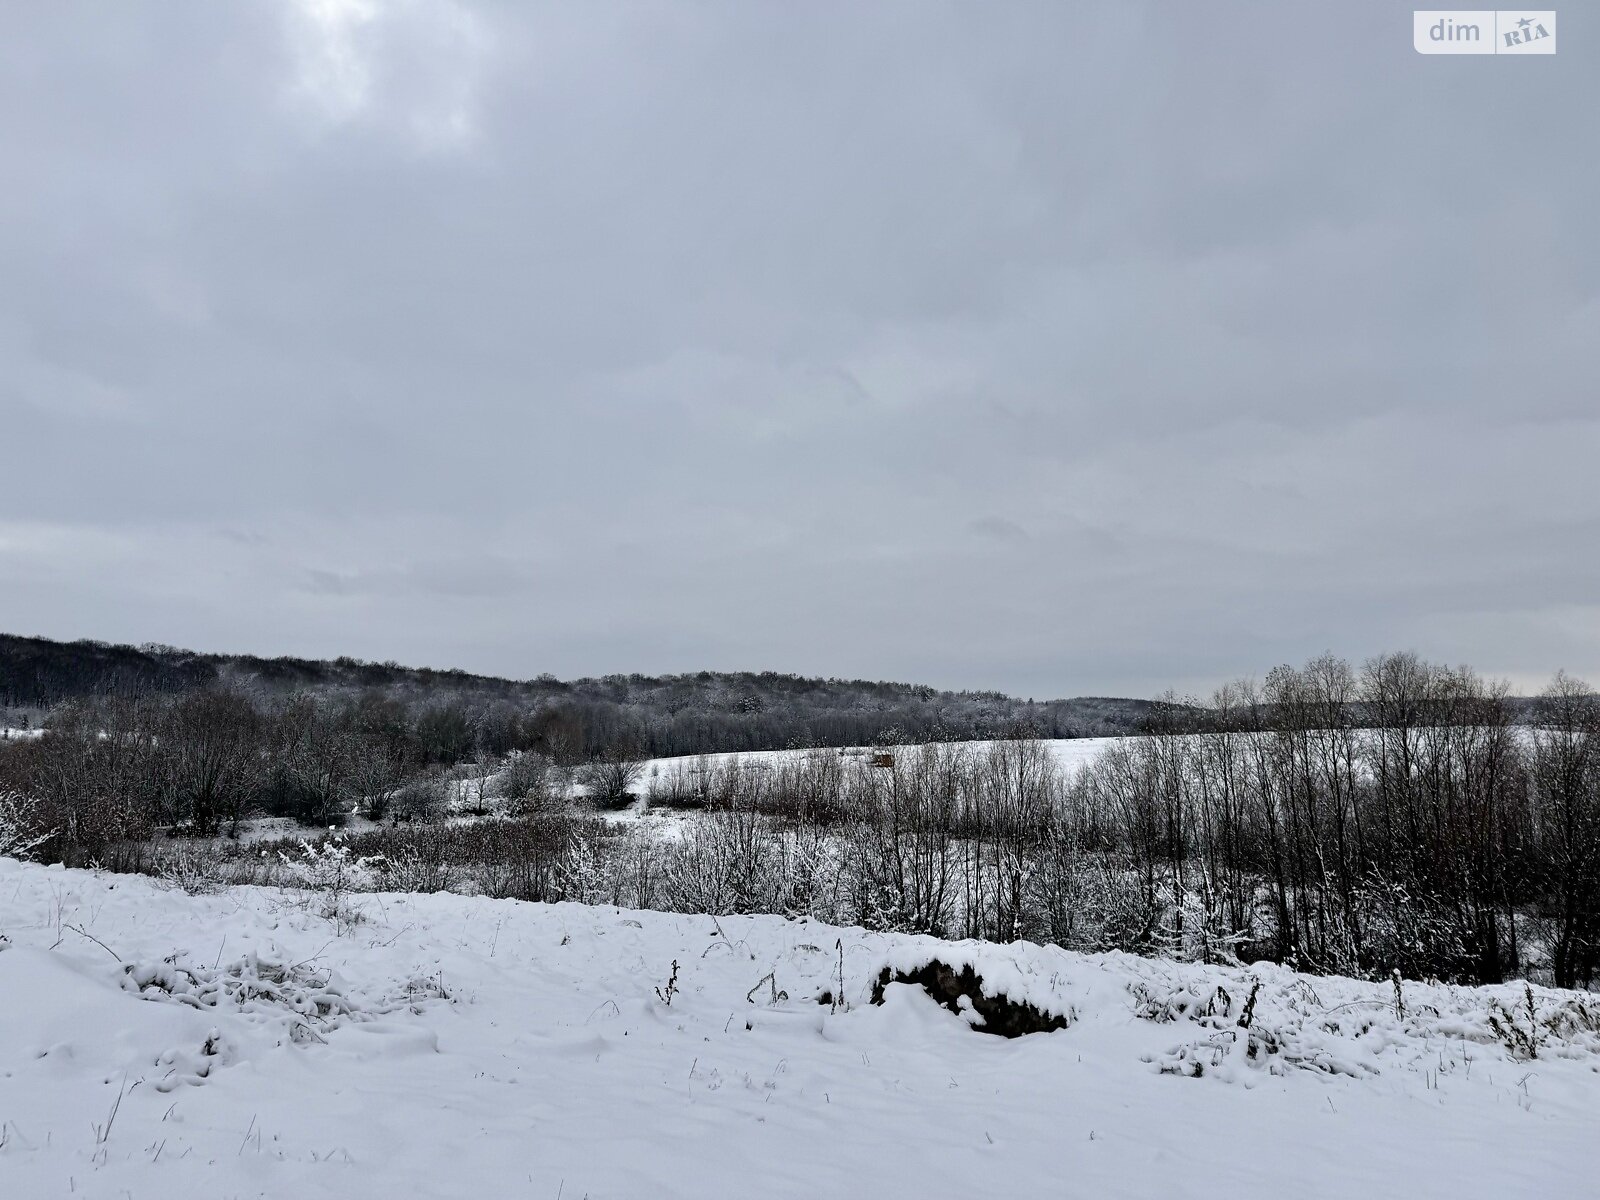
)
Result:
{"points": [[159, 1045]]}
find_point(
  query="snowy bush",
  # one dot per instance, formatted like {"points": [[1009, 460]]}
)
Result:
{"points": [[332, 874], [307, 1001], [726, 862], [1518, 1029], [526, 784], [410, 871], [422, 800], [583, 877], [22, 828], [191, 869]]}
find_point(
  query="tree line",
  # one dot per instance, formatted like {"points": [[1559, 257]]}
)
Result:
{"points": [[1353, 821], [703, 712], [1399, 815], [110, 771]]}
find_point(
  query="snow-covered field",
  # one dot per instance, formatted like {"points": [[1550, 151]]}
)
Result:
{"points": [[658, 776], [154, 1044], [1069, 753]]}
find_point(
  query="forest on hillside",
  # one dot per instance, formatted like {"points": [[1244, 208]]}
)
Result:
{"points": [[704, 712]]}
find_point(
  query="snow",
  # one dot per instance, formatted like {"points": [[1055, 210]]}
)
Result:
{"points": [[658, 775], [155, 1044], [1069, 753], [467, 793]]}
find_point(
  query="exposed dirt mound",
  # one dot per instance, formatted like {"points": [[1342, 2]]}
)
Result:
{"points": [[962, 993]]}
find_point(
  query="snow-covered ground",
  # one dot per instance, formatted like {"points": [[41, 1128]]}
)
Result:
{"points": [[154, 1044], [1069, 753]]}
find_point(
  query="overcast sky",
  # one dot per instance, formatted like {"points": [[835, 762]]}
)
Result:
{"points": [[1055, 348]]}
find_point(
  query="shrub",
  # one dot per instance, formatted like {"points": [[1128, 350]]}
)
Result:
{"points": [[189, 868], [22, 827], [331, 872]]}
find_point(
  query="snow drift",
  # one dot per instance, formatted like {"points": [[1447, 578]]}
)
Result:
{"points": [[154, 1043]]}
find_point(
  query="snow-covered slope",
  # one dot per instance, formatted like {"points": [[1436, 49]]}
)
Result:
{"points": [[154, 1044], [1069, 754]]}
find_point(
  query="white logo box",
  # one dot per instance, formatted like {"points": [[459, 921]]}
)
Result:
{"points": [[1484, 31]]}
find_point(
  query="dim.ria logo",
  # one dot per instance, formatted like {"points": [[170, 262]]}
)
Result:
{"points": [[1484, 31]]}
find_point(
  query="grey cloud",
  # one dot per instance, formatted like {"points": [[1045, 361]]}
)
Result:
{"points": [[997, 529], [574, 338], [450, 578]]}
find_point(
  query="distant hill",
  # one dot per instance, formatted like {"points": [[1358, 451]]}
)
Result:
{"points": [[667, 714]]}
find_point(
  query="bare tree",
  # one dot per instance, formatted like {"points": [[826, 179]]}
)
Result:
{"points": [[209, 750], [1566, 784], [317, 759], [379, 768], [609, 776]]}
